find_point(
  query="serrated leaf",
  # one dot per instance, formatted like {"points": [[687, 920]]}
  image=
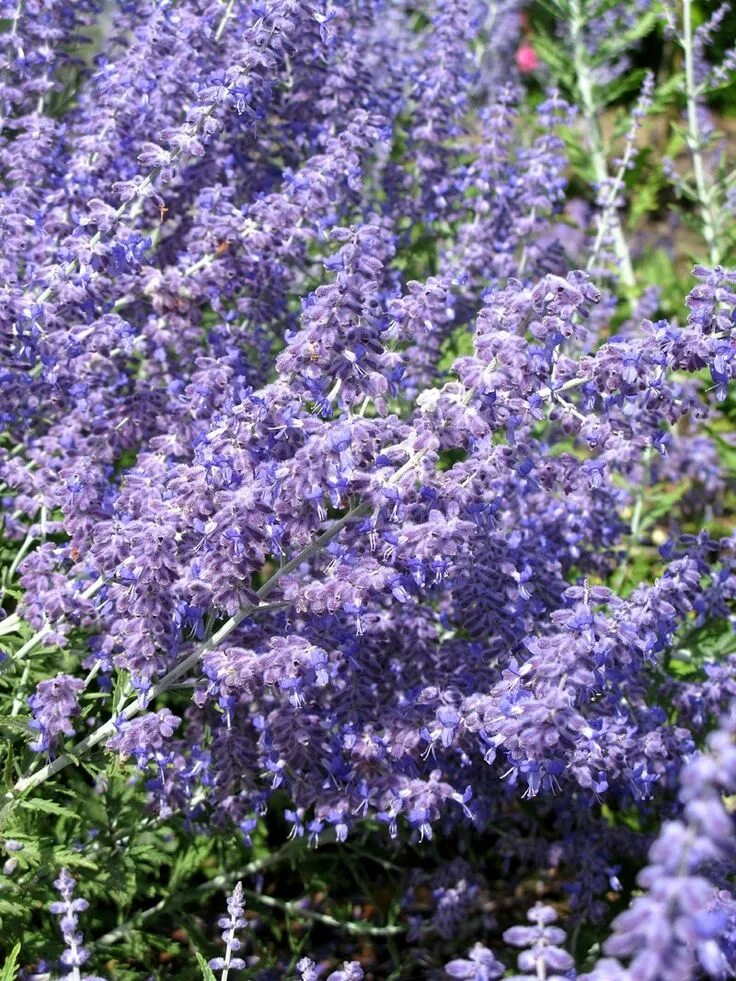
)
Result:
{"points": [[623, 84], [207, 972], [618, 42], [187, 862], [663, 503], [553, 55], [646, 199], [665, 90], [10, 967], [46, 807], [74, 859], [14, 724], [9, 909], [122, 887]]}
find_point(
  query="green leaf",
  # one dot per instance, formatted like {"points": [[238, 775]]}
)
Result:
{"points": [[620, 86], [120, 880], [664, 502], [656, 268], [120, 691], [647, 198], [553, 55], [667, 90], [10, 967], [14, 724], [207, 974], [622, 41], [186, 862], [9, 908], [458, 345], [47, 807]]}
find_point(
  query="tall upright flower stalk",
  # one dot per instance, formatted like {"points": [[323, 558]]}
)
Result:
{"points": [[610, 221], [706, 189]]}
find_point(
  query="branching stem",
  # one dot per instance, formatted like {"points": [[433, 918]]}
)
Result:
{"points": [[704, 192], [591, 118]]}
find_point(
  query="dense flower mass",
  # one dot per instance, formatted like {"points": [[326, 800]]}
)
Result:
{"points": [[326, 438]]}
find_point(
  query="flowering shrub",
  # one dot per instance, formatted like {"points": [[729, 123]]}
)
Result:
{"points": [[367, 493]]}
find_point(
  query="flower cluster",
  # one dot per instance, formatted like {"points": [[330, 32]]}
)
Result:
{"points": [[68, 909], [685, 921], [231, 924], [317, 423]]}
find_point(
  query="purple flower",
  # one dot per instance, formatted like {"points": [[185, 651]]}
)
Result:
{"points": [[54, 705], [230, 925], [145, 737], [544, 953], [683, 922], [68, 909], [480, 965]]}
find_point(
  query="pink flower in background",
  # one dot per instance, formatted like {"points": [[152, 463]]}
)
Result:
{"points": [[526, 57]]}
